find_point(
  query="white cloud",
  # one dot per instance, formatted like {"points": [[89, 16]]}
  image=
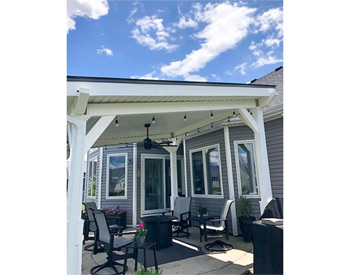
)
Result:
{"points": [[241, 68], [107, 51], [93, 9], [272, 42], [269, 19], [186, 23], [147, 76], [152, 25], [227, 26], [266, 60], [195, 77]]}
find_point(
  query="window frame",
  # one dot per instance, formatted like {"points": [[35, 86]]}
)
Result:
{"points": [[126, 177], [238, 170], [205, 173], [94, 162]]}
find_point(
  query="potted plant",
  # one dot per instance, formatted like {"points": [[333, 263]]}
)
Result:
{"points": [[202, 211], [140, 235], [117, 212], [245, 220]]}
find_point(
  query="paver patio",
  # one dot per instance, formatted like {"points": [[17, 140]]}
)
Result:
{"points": [[236, 261]]}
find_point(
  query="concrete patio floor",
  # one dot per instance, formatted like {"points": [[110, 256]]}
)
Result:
{"points": [[236, 261]]}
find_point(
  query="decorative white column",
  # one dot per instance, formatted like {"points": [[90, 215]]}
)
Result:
{"points": [[262, 159], [134, 182], [230, 179], [173, 176], [76, 132]]}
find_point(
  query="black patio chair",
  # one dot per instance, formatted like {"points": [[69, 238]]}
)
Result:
{"points": [[181, 211], [218, 225], [90, 225], [110, 242]]}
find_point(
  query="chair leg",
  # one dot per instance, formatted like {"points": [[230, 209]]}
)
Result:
{"points": [[144, 259], [155, 257], [136, 251]]}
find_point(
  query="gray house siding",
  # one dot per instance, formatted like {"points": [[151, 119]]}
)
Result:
{"points": [[274, 140], [95, 154], [122, 203], [214, 205]]}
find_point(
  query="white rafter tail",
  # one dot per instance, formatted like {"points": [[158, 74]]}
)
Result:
{"points": [[249, 120], [82, 101], [97, 130]]}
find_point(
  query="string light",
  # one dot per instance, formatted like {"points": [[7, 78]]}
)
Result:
{"points": [[211, 125], [116, 122], [211, 114], [198, 130], [153, 120], [185, 117], [228, 119]]}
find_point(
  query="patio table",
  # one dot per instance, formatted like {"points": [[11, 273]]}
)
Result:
{"points": [[201, 220], [159, 230]]}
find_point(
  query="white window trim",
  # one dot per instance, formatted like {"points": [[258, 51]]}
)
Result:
{"points": [[126, 177], [92, 176], [238, 171], [206, 195]]}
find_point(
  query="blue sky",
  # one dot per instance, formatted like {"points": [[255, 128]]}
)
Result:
{"points": [[216, 41]]}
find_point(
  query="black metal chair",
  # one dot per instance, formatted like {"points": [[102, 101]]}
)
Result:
{"points": [[218, 225], [110, 242], [181, 211], [90, 225]]}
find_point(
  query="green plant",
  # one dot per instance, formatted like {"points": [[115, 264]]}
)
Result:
{"points": [[141, 230], [149, 271], [202, 210], [244, 206]]}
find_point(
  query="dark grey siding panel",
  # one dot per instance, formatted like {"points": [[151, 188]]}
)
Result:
{"points": [[274, 140], [214, 205], [122, 203], [90, 157]]}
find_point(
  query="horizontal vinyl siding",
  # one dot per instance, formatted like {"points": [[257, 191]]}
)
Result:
{"points": [[122, 203], [214, 205], [274, 141]]}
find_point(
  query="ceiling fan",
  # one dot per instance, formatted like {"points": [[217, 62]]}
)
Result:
{"points": [[148, 144]]}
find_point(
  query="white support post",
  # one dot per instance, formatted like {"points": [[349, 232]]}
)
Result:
{"points": [[185, 165], [173, 177], [263, 169], [100, 179], [134, 202], [76, 132], [230, 180]]}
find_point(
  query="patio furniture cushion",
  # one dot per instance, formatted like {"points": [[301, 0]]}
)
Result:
{"points": [[182, 205], [210, 227]]}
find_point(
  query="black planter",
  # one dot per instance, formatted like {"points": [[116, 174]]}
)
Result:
{"points": [[245, 224], [119, 219]]}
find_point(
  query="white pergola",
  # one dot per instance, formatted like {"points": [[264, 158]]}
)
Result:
{"points": [[94, 103]]}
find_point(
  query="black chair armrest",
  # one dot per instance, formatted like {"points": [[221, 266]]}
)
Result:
{"points": [[185, 213], [123, 233], [217, 220]]}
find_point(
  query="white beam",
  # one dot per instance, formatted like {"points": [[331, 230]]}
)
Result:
{"points": [[267, 100], [230, 180], [97, 130], [167, 89], [103, 109], [82, 101], [263, 169], [76, 132], [249, 120]]}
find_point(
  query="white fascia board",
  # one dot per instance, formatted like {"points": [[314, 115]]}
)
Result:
{"points": [[107, 109], [130, 89]]}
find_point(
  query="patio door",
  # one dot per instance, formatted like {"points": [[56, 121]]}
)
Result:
{"points": [[153, 184]]}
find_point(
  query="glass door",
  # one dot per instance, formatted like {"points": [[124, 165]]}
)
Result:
{"points": [[154, 191]]}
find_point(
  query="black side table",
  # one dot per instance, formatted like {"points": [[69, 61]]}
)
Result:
{"points": [[147, 245]]}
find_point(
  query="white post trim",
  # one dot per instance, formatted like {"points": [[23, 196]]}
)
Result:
{"points": [[100, 179], [173, 178], [134, 182], [97, 130], [185, 166], [263, 169], [249, 120], [76, 131], [231, 188]]}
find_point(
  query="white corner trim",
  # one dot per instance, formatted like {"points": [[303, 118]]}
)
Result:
{"points": [[100, 179]]}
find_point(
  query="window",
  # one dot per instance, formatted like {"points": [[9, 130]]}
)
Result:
{"points": [[116, 176], [246, 168], [206, 171], [92, 179]]}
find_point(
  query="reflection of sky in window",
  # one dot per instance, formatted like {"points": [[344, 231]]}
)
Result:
{"points": [[116, 162], [243, 156], [214, 157]]}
